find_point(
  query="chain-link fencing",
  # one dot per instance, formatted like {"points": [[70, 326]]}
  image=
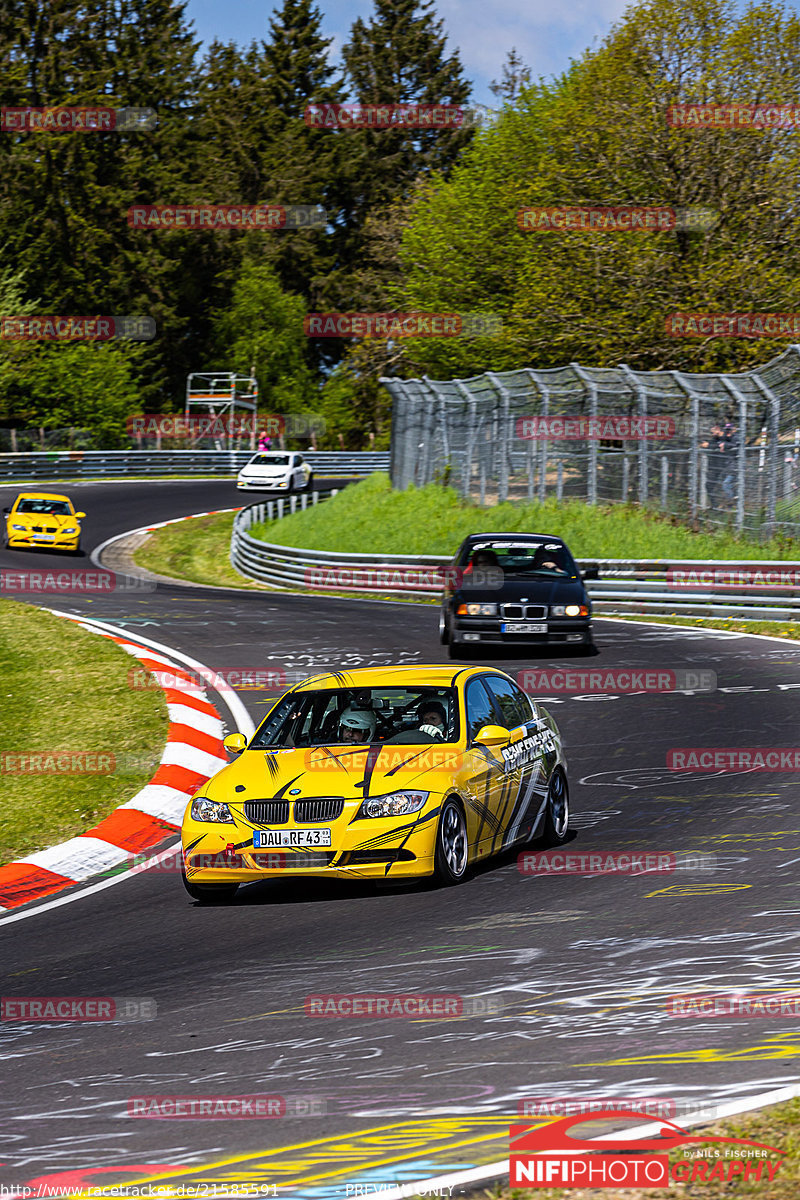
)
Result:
{"points": [[724, 447]]}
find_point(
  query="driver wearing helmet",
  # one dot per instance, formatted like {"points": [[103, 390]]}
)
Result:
{"points": [[433, 719], [357, 725]]}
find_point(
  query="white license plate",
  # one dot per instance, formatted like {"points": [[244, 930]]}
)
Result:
{"points": [[270, 839], [44, 537], [521, 627]]}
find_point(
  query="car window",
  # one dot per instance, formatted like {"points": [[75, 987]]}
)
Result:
{"points": [[57, 507], [397, 714], [480, 710], [513, 704], [269, 460]]}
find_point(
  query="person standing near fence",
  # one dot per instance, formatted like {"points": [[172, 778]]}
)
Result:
{"points": [[715, 458], [732, 440]]}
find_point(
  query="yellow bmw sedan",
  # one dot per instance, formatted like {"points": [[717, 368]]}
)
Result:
{"points": [[43, 519], [384, 772]]}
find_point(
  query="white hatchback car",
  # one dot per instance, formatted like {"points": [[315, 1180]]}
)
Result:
{"points": [[276, 470]]}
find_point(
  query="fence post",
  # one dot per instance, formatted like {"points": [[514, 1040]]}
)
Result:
{"points": [[544, 443], [472, 431], [664, 481], [626, 470], [741, 457], [773, 449], [560, 479], [502, 464], [591, 474], [641, 404]]}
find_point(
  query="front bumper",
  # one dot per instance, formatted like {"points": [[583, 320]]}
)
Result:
{"points": [[373, 848], [466, 630], [17, 539], [262, 485]]}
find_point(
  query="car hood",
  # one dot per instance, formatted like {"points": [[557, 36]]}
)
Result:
{"points": [[535, 590], [43, 519], [264, 470], [356, 773]]}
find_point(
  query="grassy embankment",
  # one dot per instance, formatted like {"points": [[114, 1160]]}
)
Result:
{"points": [[66, 690], [371, 518]]}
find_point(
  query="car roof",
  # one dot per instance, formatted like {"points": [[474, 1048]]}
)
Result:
{"points": [[41, 496], [513, 537], [435, 675]]}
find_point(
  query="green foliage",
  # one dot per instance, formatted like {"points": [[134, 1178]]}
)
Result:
{"points": [[372, 518], [599, 135], [262, 327]]}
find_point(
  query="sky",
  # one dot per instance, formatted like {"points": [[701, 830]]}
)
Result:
{"points": [[546, 34]]}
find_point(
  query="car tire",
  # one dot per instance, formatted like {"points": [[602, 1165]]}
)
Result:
{"points": [[455, 650], [210, 893], [451, 856], [556, 821]]}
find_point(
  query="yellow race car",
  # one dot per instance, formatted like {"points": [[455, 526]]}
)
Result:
{"points": [[384, 772], [43, 519]]}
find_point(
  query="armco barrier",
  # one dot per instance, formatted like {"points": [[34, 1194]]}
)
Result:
{"points": [[75, 464], [626, 586]]}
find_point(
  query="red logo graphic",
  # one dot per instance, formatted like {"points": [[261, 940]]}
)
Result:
{"points": [[549, 1156]]}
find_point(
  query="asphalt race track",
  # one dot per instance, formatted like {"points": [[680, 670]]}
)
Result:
{"points": [[583, 965]]}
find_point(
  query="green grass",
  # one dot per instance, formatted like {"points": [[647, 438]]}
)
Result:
{"points": [[196, 550], [775, 1126], [370, 517], [64, 689]]}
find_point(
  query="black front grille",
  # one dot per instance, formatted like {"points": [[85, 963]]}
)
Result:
{"points": [[520, 612], [44, 529], [324, 808], [267, 812]]}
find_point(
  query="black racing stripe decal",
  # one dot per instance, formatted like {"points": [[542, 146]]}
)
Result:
{"points": [[196, 842], [381, 839], [272, 764], [373, 754], [281, 792]]}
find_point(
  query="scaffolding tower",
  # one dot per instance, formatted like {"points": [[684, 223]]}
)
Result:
{"points": [[226, 396]]}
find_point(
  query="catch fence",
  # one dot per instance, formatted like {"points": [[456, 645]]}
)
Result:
{"points": [[731, 456]]}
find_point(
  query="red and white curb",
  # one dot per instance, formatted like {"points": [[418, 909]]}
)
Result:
{"points": [[193, 753]]}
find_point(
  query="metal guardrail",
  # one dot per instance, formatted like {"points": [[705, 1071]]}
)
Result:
{"points": [[75, 464], [627, 586]]}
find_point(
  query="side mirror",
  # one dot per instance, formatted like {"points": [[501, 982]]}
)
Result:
{"points": [[492, 735], [591, 573], [79, 516], [234, 743], [6, 510]]}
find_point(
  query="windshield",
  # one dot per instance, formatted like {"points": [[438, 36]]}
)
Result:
{"points": [[269, 460], [357, 716], [59, 508], [521, 558]]}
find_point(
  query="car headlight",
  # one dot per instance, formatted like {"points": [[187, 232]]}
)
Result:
{"points": [[569, 610], [71, 529], [209, 810], [18, 527], [398, 804], [476, 610]]}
